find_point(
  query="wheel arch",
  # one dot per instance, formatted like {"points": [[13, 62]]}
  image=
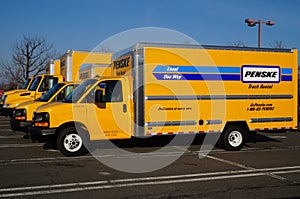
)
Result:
{"points": [[242, 124], [75, 124]]}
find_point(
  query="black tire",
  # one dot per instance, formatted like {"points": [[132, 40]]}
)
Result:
{"points": [[70, 143], [233, 138]]}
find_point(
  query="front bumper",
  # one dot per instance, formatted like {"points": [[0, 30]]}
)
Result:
{"points": [[41, 134], [8, 112], [17, 125]]}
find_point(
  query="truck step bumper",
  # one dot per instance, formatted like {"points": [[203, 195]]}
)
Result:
{"points": [[20, 125], [41, 134], [8, 112]]}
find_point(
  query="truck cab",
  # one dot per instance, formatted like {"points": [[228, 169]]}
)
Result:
{"points": [[24, 87], [40, 85], [60, 119], [22, 115]]}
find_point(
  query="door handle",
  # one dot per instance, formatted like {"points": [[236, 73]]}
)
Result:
{"points": [[124, 108]]}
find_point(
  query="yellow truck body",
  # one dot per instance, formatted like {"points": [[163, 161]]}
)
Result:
{"points": [[94, 71], [168, 89], [72, 61], [53, 68]]}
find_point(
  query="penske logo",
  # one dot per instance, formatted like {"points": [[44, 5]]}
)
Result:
{"points": [[260, 74], [121, 63]]}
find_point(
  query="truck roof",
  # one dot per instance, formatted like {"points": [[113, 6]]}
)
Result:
{"points": [[142, 45], [70, 51]]}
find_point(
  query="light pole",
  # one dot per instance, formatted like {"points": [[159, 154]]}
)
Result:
{"points": [[252, 23]]}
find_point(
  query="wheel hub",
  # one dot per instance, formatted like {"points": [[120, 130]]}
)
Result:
{"points": [[235, 138], [72, 142]]}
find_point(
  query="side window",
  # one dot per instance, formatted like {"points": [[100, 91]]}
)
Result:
{"points": [[68, 90], [112, 91], [48, 82], [64, 93], [90, 98]]}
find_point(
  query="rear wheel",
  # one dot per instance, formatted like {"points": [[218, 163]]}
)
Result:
{"points": [[70, 143], [233, 138]]}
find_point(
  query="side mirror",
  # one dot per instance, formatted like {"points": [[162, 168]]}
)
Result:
{"points": [[100, 99]]}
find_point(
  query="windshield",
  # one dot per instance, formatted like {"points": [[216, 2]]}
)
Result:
{"points": [[35, 83], [49, 94], [26, 83], [79, 91]]}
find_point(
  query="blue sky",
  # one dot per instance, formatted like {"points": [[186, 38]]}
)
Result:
{"points": [[82, 24]]}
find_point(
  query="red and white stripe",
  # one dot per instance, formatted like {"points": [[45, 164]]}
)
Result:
{"points": [[272, 129], [181, 133]]}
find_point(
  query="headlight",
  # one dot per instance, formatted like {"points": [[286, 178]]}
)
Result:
{"points": [[41, 119], [20, 114]]}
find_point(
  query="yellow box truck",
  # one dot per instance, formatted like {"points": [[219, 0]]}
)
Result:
{"points": [[52, 68], [40, 85], [64, 69], [94, 71], [36, 87], [23, 113], [97, 63], [169, 89], [73, 60], [24, 87]]}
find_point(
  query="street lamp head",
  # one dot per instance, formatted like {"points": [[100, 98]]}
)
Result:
{"points": [[249, 20], [251, 24], [270, 23]]}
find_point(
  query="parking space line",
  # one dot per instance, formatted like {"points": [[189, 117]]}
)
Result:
{"points": [[250, 150], [47, 160], [110, 186], [247, 167], [20, 145], [182, 152], [286, 172], [130, 182], [11, 136], [277, 137], [5, 130]]}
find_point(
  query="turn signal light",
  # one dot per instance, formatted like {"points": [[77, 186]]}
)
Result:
{"points": [[41, 124], [20, 118]]}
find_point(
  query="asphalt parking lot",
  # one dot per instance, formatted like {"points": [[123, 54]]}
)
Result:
{"points": [[267, 168]]}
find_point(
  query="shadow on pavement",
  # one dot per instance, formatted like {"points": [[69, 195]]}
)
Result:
{"points": [[157, 142]]}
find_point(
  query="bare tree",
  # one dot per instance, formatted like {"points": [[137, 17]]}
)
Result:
{"points": [[13, 75], [30, 57], [278, 44], [238, 43]]}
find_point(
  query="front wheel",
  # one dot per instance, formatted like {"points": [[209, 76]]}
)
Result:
{"points": [[233, 138], [70, 143]]}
